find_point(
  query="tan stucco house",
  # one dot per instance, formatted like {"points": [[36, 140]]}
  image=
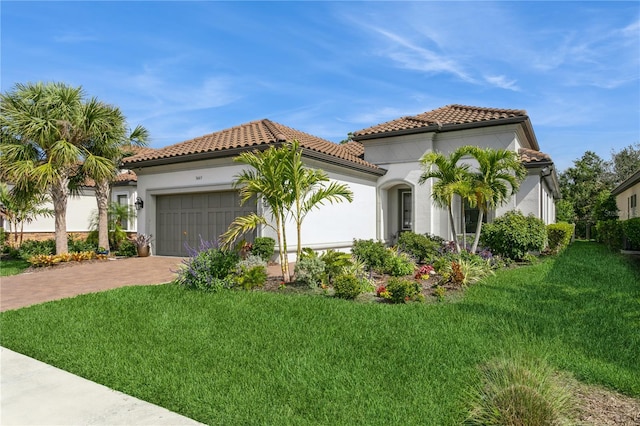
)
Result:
{"points": [[627, 194]]}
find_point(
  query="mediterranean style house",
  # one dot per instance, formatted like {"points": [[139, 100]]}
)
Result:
{"points": [[187, 189]]}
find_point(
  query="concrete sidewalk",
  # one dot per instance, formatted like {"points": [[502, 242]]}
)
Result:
{"points": [[35, 393]]}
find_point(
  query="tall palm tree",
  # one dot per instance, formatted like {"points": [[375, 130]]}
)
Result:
{"points": [[264, 181], [451, 179], [499, 175], [112, 144], [51, 131], [309, 189]]}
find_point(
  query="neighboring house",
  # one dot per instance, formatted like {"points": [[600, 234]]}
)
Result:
{"points": [[398, 145], [627, 194], [188, 194], [80, 209]]}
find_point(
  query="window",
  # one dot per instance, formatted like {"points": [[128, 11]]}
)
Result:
{"points": [[123, 200], [633, 204], [471, 215], [406, 210]]}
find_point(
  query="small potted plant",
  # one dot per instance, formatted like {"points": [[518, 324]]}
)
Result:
{"points": [[143, 244]]}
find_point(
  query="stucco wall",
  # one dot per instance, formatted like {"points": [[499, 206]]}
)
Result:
{"points": [[622, 201], [79, 211], [332, 226]]}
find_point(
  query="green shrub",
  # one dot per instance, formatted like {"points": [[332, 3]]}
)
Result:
{"points": [[127, 248], [79, 245], [559, 236], [518, 392], [513, 235], [250, 277], [609, 233], [335, 263], [348, 286], [398, 264], [4, 237], [32, 248], [373, 253], [421, 247], [263, 247], [208, 268], [309, 270], [631, 229], [401, 290]]}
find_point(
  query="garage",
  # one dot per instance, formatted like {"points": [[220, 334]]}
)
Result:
{"points": [[185, 218]]}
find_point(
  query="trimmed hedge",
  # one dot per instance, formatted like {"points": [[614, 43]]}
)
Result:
{"points": [[609, 233], [559, 236], [631, 229], [513, 235], [421, 247]]}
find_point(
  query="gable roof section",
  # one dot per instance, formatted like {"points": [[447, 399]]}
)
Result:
{"points": [[448, 118], [632, 180], [258, 134]]}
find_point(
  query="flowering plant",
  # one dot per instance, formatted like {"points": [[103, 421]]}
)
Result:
{"points": [[424, 271], [382, 291]]}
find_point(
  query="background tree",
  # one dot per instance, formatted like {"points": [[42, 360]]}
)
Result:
{"points": [[20, 207], [499, 175], [580, 186], [624, 163], [49, 135], [451, 179]]}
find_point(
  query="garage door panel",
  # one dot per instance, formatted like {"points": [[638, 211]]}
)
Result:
{"points": [[187, 217]]}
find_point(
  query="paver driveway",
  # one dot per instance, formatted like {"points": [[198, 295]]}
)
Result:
{"points": [[70, 280]]}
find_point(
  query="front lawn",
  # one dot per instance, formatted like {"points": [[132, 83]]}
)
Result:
{"points": [[267, 358], [12, 266]]}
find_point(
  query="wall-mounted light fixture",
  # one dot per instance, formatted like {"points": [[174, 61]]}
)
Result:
{"points": [[139, 203]]}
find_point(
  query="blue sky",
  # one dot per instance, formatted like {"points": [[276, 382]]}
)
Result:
{"points": [[184, 69]]}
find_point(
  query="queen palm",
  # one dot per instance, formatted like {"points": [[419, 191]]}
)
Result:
{"points": [[451, 179], [47, 132], [498, 177]]}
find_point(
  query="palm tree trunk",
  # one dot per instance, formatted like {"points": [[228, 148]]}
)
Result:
{"points": [[453, 228], [282, 249], [59, 197], [478, 230], [285, 266], [102, 198]]}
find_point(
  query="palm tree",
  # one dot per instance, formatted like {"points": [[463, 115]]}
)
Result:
{"points": [[20, 207], [111, 145], [309, 189], [451, 179], [287, 189], [265, 180], [48, 130], [499, 175]]}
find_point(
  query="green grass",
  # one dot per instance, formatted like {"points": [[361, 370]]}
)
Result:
{"points": [[12, 267], [269, 358]]}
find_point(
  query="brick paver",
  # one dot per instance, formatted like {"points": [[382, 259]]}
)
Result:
{"points": [[70, 280]]}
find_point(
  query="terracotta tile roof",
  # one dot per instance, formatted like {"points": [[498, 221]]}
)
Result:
{"points": [[356, 148], [247, 136], [531, 156], [440, 118], [126, 177]]}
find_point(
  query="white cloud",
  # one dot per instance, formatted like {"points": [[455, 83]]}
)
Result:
{"points": [[502, 82]]}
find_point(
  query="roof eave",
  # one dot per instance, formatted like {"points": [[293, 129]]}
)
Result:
{"points": [[458, 126], [627, 183]]}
